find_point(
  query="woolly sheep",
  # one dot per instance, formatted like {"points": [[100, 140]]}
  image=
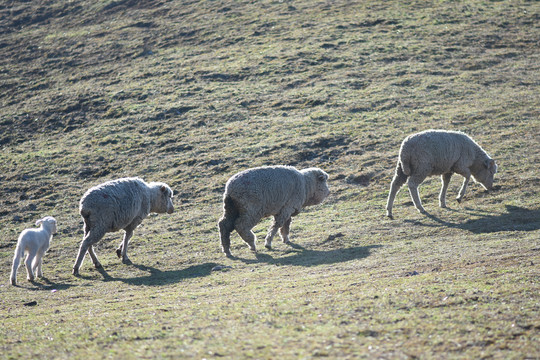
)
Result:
{"points": [[34, 243], [115, 205], [279, 191], [440, 152]]}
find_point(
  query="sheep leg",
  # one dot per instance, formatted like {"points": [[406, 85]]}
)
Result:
{"points": [[92, 237], [279, 221], [15, 267], [442, 196], [413, 184], [122, 249], [463, 187], [397, 182], [270, 235], [226, 224], [93, 256], [40, 268], [37, 264], [90, 250], [28, 264], [243, 226], [284, 231], [225, 228]]}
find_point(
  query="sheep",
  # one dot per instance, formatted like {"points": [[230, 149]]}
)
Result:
{"points": [[115, 205], [279, 191], [439, 152], [35, 243]]}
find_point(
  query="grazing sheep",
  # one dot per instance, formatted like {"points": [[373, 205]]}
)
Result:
{"points": [[115, 205], [440, 152], [33, 242], [281, 191]]}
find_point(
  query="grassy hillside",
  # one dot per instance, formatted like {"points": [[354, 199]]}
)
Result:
{"points": [[191, 92]]}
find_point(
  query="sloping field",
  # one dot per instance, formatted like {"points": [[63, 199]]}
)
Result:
{"points": [[191, 92]]}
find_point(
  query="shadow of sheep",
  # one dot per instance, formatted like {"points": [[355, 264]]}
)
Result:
{"points": [[515, 219], [301, 256], [157, 277]]}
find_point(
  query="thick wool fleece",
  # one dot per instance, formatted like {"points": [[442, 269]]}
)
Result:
{"points": [[440, 152], [279, 191], [35, 243], [119, 204]]}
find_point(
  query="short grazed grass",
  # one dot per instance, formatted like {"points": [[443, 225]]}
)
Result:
{"points": [[190, 92]]}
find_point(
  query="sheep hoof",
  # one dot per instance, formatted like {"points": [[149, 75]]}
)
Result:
{"points": [[126, 261], [119, 253], [227, 252], [75, 272], [458, 200], [268, 246]]}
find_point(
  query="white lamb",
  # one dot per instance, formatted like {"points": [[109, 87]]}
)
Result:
{"points": [[119, 204], [440, 152], [279, 191], [34, 243]]}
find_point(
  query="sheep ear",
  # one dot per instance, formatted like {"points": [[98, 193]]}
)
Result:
{"points": [[163, 188], [39, 222], [322, 177], [492, 166]]}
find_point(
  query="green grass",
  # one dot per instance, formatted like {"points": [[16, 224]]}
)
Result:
{"points": [[191, 92]]}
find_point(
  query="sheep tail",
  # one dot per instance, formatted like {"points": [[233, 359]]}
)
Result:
{"points": [[86, 216], [230, 210], [85, 213], [403, 168]]}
